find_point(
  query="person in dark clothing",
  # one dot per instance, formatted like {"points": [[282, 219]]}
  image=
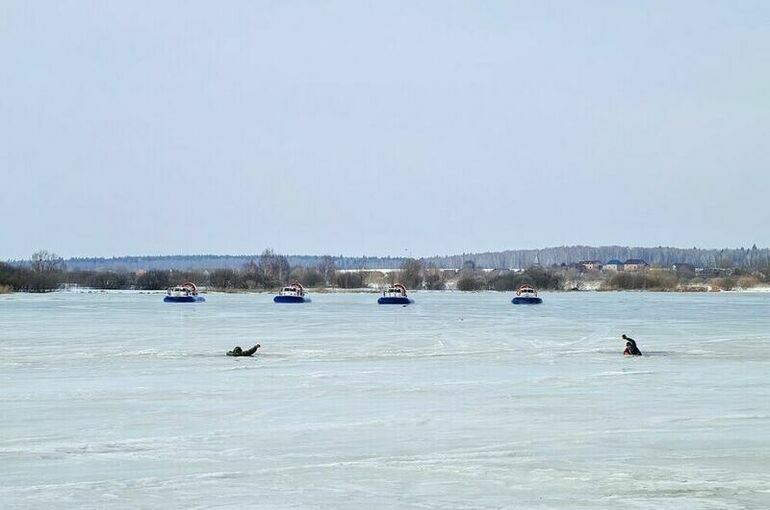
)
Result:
{"points": [[631, 348], [237, 351]]}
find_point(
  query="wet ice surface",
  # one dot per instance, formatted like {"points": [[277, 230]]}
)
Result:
{"points": [[458, 401]]}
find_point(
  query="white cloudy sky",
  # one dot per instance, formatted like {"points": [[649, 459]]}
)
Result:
{"points": [[381, 127]]}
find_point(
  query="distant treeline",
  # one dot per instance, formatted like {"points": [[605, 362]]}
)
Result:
{"points": [[684, 278], [192, 262], [737, 278], [661, 256], [506, 280], [43, 272], [46, 272], [511, 259]]}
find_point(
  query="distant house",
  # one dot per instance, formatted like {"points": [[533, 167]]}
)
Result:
{"points": [[634, 265], [613, 265], [589, 265]]}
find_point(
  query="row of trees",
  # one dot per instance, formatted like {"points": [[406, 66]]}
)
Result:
{"points": [[674, 280], [541, 278], [664, 256], [750, 258], [45, 272]]}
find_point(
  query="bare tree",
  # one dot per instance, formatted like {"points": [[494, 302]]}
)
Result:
{"points": [[411, 273], [275, 267], [45, 262], [328, 269]]}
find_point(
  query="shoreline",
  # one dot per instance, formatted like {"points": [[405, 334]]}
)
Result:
{"points": [[330, 290]]}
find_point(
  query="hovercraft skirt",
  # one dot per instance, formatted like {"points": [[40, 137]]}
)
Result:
{"points": [[526, 300], [388, 300], [184, 299], [291, 299]]}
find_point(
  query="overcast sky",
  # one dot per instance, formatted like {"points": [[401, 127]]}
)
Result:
{"points": [[381, 128]]}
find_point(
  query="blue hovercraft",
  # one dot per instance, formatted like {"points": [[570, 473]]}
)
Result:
{"points": [[294, 293], [395, 295], [526, 295], [185, 293]]}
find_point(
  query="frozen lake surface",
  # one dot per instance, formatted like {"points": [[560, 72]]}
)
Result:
{"points": [[462, 400]]}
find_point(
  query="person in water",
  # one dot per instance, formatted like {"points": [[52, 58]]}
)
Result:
{"points": [[237, 351], [631, 348]]}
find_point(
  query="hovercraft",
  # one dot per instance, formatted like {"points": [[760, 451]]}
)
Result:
{"points": [[526, 295], [185, 293], [294, 293], [395, 295]]}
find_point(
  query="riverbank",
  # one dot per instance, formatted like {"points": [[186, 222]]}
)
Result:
{"points": [[376, 291], [414, 275]]}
